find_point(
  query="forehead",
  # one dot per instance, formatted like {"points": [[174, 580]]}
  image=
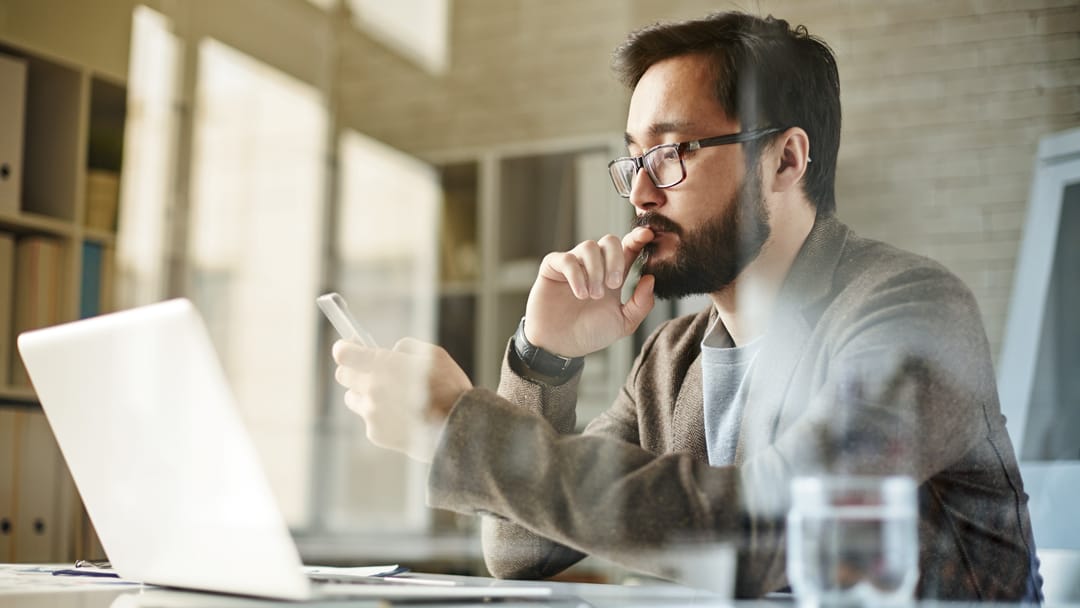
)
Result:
{"points": [[676, 95]]}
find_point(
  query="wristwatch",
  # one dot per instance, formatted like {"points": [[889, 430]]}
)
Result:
{"points": [[552, 366]]}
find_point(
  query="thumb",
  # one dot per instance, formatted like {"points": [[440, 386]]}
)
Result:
{"points": [[640, 303]]}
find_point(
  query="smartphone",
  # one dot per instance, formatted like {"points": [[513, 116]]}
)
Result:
{"points": [[337, 311]]}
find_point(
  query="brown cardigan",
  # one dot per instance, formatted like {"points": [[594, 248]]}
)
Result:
{"points": [[876, 361]]}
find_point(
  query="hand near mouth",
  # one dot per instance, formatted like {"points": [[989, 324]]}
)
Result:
{"points": [[575, 307]]}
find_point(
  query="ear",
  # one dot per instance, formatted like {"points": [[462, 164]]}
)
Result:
{"points": [[792, 152]]}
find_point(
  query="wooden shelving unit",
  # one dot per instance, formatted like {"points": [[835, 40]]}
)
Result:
{"points": [[73, 122]]}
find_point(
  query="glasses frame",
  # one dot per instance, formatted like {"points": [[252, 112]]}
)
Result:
{"points": [[680, 147]]}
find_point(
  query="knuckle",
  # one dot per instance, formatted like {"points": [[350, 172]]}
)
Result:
{"points": [[584, 249], [561, 260]]}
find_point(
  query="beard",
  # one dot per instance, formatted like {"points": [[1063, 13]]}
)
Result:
{"points": [[708, 258]]}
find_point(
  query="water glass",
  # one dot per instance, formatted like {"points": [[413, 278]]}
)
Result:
{"points": [[853, 540]]}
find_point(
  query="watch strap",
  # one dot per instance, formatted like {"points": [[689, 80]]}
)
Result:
{"points": [[546, 364]]}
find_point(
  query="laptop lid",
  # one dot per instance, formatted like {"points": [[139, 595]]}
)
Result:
{"points": [[144, 417]]}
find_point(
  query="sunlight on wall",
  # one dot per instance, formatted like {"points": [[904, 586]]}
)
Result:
{"points": [[254, 242], [150, 136], [418, 29]]}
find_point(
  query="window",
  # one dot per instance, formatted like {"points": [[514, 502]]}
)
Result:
{"points": [[254, 246]]}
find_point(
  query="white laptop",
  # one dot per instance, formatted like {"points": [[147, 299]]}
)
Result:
{"points": [[143, 414]]}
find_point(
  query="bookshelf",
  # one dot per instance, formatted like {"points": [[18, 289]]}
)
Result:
{"points": [[504, 209], [61, 138]]}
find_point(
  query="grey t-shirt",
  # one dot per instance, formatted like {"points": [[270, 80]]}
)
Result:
{"points": [[725, 369]]}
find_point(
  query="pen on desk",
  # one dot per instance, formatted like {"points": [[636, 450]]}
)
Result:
{"points": [[88, 568], [85, 572]]}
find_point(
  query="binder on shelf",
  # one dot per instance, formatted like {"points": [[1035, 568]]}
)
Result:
{"points": [[38, 275], [8, 446], [42, 488], [102, 199], [7, 297], [12, 119]]}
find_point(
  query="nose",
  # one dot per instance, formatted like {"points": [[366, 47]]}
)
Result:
{"points": [[643, 192]]}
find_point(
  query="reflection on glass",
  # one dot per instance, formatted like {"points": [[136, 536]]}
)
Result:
{"points": [[1053, 424], [254, 244]]}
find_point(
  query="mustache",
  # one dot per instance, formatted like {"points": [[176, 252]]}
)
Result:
{"points": [[656, 222]]}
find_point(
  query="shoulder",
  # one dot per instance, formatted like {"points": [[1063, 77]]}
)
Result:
{"points": [[897, 297], [873, 271]]}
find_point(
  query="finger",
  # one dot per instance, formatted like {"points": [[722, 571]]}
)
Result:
{"points": [[613, 260], [343, 376], [640, 303], [358, 403], [352, 379], [566, 267], [592, 259], [633, 243], [352, 354]]}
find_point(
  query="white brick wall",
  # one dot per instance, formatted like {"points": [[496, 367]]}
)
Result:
{"points": [[944, 103]]}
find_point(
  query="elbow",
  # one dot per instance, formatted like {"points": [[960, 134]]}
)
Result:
{"points": [[500, 566], [507, 560], [510, 552]]}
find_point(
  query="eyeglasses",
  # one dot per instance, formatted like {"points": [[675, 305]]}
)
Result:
{"points": [[664, 163]]}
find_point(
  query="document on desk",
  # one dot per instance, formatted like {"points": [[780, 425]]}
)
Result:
{"points": [[27, 578]]}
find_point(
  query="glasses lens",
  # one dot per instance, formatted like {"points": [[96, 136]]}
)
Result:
{"points": [[622, 175], [664, 166]]}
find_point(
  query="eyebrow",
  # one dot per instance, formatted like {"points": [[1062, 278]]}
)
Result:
{"points": [[660, 128]]}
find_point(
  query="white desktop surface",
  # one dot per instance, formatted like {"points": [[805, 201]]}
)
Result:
{"points": [[20, 587], [43, 590]]}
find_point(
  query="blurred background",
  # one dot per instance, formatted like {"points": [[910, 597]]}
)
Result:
{"points": [[420, 157]]}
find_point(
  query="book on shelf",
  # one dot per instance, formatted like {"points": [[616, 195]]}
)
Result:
{"points": [[7, 300], [108, 279], [90, 293], [102, 199], [95, 296], [38, 274]]}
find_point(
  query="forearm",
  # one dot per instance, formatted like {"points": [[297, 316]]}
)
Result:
{"points": [[510, 550], [586, 493]]}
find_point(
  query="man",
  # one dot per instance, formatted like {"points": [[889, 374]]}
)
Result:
{"points": [[822, 351]]}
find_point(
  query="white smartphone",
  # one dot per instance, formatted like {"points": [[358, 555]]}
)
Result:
{"points": [[337, 311]]}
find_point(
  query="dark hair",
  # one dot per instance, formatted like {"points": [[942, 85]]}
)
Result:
{"points": [[767, 74]]}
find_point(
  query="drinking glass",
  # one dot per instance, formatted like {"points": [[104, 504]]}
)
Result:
{"points": [[853, 540]]}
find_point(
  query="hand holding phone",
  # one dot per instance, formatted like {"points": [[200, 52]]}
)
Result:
{"points": [[337, 311]]}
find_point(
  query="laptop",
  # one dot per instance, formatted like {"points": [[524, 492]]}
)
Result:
{"points": [[145, 419]]}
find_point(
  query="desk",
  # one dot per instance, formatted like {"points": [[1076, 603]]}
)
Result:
{"points": [[42, 590], [22, 587]]}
